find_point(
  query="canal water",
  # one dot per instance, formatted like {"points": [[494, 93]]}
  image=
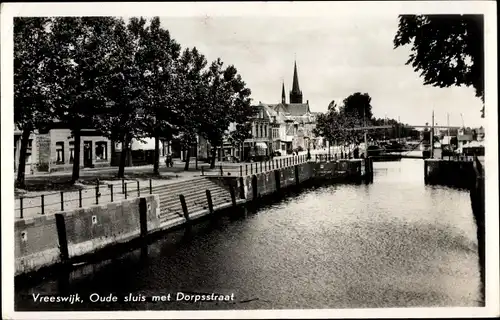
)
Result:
{"points": [[392, 243]]}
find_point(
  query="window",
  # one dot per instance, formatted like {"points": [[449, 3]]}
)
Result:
{"points": [[261, 131], [71, 151], [101, 150], [60, 152], [265, 131]]}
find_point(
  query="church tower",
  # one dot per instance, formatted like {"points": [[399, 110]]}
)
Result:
{"points": [[295, 94], [283, 98]]}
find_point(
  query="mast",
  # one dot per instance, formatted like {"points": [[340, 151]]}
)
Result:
{"points": [[432, 136]]}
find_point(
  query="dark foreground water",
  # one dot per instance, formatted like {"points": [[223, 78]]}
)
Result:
{"points": [[393, 243]]}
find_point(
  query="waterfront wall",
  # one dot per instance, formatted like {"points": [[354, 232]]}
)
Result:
{"points": [[36, 243], [56, 239], [47, 240], [449, 173]]}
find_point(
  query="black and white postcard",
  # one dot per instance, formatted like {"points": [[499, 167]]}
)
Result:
{"points": [[249, 160]]}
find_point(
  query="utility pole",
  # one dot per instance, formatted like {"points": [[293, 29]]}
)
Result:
{"points": [[432, 136]]}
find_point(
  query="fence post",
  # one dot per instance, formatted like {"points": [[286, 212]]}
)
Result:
{"points": [[43, 204], [111, 189], [221, 172], [80, 197], [150, 186], [246, 169], [125, 186], [209, 202], [241, 170], [184, 207], [21, 206], [138, 189], [62, 200]]}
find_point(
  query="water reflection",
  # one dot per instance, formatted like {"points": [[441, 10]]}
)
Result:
{"points": [[393, 243]]}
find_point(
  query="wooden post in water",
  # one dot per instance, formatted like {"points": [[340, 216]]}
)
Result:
{"points": [[242, 188], [233, 195], [297, 182], [62, 236], [209, 201], [143, 217], [184, 207]]}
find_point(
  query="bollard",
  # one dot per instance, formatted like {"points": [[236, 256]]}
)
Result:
{"points": [[123, 185], [111, 190], [184, 207], [202, 173], [62, 200], [97, 194], [150, 186], [43, 204], [138, 189], [210, 203], [246, 169], [21, 206], [62, 236], [261, 166], [80, 197], [256, 167], [233, 195], [241, 170], [251, 168], [125, 190]]}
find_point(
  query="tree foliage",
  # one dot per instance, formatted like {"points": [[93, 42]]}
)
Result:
{"points": [[446, 50], [32, 83], [126, 79]]}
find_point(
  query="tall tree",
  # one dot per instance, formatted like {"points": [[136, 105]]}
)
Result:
{"points": [[445, 49], [191, 92], [159, 53], [79, 65], [32, 84], [122, 117], [359, 105], [227, 102]]}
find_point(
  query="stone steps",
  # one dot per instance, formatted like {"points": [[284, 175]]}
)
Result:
{"points": [[194, 192]]}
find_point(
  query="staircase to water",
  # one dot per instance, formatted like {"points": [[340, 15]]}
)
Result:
{"points": [[194, 192]]}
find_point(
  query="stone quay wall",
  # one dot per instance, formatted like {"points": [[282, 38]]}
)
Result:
{"points": [[48, 240]]}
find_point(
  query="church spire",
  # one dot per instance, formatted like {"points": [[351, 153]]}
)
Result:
{"points": [[295, 94], [283, 98]]}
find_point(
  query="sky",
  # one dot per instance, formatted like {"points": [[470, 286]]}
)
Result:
{"points": [[336, 56]]}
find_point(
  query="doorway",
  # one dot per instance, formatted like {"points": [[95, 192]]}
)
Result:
{"points": [[87, 154]]}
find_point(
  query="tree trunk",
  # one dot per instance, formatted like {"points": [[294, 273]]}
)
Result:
{"points": [[20, 183], [76, 156], [156, 163], [123, 157], [212, 161], [188, 155]]}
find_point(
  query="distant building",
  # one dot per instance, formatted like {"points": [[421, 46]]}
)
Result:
{"points": [[292, 123]]}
